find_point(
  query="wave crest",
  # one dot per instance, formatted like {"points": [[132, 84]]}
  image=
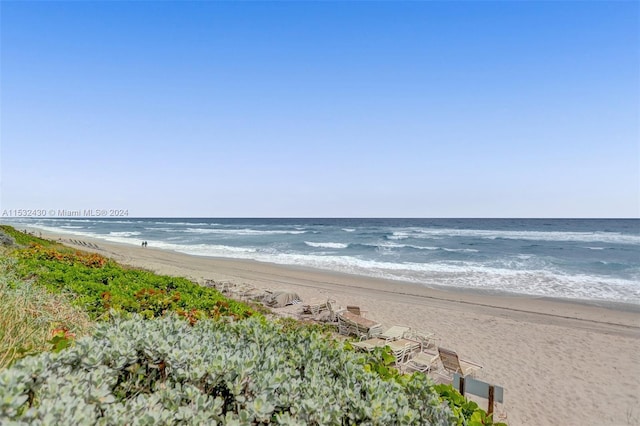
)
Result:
{"points": [[326, 245]]}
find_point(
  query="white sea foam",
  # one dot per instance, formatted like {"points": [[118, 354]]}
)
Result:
{"points": [[124, 234], [98, 221], [327, 245], [474, 275], [348, 229], [399, 235], [245, 231], [430, 248], [604, 237], [212, 250], [387, 244], [185, 223], [117, 221]]}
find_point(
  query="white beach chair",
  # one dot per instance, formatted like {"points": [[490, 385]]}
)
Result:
{"points": [[395, 332], [421, 361], [317, 307], [370, 344], [350, 323], [453, 364], [426, 339]]}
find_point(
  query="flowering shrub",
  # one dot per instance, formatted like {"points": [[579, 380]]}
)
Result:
{"points": [[101, 285], [38, 251], [165, 371]]}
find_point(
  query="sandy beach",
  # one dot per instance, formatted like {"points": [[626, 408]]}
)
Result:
{"points": [[560, 362]]}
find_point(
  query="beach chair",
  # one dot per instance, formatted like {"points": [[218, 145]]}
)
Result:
{"points": [[395, 332], [240, 291], [209, 283], [401, 352], [421, 361], [370, 344], [355, 310], [410, 345], [315, 308], [221, 286], [344, 326], [349, 323], [333, 309], [453, 364], [426, 339]]}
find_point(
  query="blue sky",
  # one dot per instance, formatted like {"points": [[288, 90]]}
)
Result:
{"points": [[322, 109]]}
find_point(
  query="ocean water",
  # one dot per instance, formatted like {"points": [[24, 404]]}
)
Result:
{"points": [[589, 259]]}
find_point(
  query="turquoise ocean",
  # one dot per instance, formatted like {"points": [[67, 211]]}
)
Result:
{"points": [[587, 259]]}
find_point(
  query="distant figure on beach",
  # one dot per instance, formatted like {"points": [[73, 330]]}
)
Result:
{"points": [[144, 244]]}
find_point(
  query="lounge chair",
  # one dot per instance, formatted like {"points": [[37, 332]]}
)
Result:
{"points": [[453, 364], [370, 344], [397, 345], [392, 338], [383, 339], [315, 308], [334, 310], [400, 350], [421, 361], [401, 353], [344, 327], [223, 287], [426, 339], [349, 323], [355, 310], [395, 332]]}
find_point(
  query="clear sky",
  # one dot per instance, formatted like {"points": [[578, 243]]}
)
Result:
{"points": [[322, 109]]}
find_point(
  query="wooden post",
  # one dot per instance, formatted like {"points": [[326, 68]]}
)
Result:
{"points": [[491, 392], [462, 385]]}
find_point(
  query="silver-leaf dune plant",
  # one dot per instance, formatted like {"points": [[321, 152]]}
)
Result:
{"points": [[164, 371]]}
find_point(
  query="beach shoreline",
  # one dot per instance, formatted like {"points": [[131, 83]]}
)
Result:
{"points": [[560, 361]]}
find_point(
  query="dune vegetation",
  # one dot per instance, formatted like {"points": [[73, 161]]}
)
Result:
{"points": [[85, 340]]}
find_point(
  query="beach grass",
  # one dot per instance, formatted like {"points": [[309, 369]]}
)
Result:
{"points": [[30, 315]]}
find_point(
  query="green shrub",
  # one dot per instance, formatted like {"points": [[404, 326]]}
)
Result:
{"points": [[164, 371], [101, 285], [467, 412], [22, 238]]}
